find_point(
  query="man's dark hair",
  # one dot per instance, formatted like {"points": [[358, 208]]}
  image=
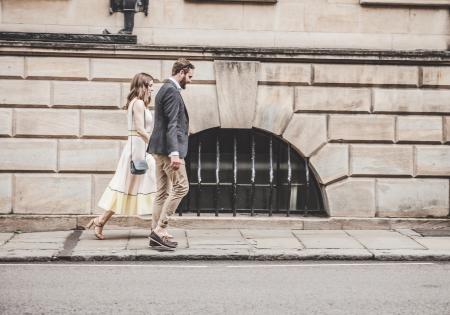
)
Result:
{"points": [[182, 64]]}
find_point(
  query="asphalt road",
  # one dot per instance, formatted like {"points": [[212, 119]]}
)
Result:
{"points": [[226, 288]]}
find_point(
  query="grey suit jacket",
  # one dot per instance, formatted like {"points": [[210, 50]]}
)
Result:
{"points": [[171, 122]]}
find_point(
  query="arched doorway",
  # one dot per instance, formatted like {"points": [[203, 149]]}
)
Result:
{"points": [[248, 171]]}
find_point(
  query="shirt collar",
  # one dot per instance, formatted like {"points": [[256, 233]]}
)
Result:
{"points": [[176, 83]]}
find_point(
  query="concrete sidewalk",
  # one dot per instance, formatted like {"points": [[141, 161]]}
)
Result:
{"points": [[226, 244]]}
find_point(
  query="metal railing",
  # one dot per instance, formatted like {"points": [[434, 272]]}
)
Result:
{"points": [[247, 171]]}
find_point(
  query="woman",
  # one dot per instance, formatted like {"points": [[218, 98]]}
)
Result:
{"points": [[129, 194]]}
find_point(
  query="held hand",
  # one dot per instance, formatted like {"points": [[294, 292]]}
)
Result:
{"points": [[175, 162]]}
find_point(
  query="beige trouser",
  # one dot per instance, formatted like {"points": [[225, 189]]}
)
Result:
{"points": [[171, 187]]}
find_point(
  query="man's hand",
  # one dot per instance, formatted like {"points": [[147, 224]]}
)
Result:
{"points": [[175, 162]]}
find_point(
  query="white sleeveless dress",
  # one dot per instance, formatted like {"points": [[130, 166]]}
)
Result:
{"points": [[129, 194]]}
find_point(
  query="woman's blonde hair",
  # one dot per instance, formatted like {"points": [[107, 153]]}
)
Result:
{"points": [[139, 88]]}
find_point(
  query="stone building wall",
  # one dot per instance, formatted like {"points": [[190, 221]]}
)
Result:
{"points": [[376, 129], [287, 23]]}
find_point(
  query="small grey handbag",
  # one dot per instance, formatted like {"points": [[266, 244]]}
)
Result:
{"points": [[137, 167]]}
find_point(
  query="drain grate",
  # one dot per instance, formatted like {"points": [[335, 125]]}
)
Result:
{"points": [[435, 233]]}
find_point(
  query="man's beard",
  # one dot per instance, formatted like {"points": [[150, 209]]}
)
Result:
{"points": [[183, 83]]}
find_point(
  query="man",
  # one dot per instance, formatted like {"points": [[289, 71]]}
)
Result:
{"points": [[169, 145]]}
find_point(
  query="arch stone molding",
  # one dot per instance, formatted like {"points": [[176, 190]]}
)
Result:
{"points": [[240, 102]]}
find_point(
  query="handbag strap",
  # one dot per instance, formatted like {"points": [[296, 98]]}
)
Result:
{"points": [[132, 122]]}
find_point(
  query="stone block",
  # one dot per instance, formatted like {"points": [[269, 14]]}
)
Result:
{"points": [[419, 129], [5, 193], [433, 160], [123, 69], [366, 74], [412, 197], [203, 72], [104, 123], [274, 108], [100, 184], [88, 155], [361, 128], [52, 194], [285, 73], [202, 106], [326, 17], [331, 162], [12, 67], [411, 101], [24, 92], [287, 14], [429, 21], [377, 20], [418, 41], [307, 132], [447, 129], [236, 84], [353, 197], [57, 68], [332, 99], [6, 122], [47, 122], [436, 76], [380, 159], [87, 94], [28, 154]]}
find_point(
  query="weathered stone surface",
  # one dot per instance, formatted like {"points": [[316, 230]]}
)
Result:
{"points": [[203, 72], [88, 155], [436, 76], [375, 159], [327, 239], [11, 67], [124, 69], [378, 239], [285, 73], [353, 197], [307, 132], [24, 92], [100, 184], [361, 127], [34, 223], [447, 129], [366, 74], [52, 194], [433, 160], [437, 243], [411, 101], [47, 122], [412, 197], [377, 20], [201, 102], [332, 99], [98, 94], [57, 67], [274, 108], [331, 162], [326, 17], [104, 123], [5, 193], [6, 122], [28, 154], [419, 128], [236, 84]]}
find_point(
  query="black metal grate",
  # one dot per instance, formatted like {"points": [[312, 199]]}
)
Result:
{"points": [[247, 171]]}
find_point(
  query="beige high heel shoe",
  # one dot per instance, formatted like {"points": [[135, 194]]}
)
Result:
{"points": [[98, 228]]}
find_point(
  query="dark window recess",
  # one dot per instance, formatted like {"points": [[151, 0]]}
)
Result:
{"points": [[247, 171]]}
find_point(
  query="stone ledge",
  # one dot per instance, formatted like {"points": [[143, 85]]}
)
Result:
{"points": [[242, 53], [35, 223], [70, 38]]}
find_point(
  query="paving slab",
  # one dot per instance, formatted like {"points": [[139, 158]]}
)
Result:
{"points": [[4, 237], [439, 243], [219, 237], [327, 239], [381, 239]]}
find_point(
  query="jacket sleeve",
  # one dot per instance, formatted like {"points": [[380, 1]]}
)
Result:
{"points": [[170, 109]]}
